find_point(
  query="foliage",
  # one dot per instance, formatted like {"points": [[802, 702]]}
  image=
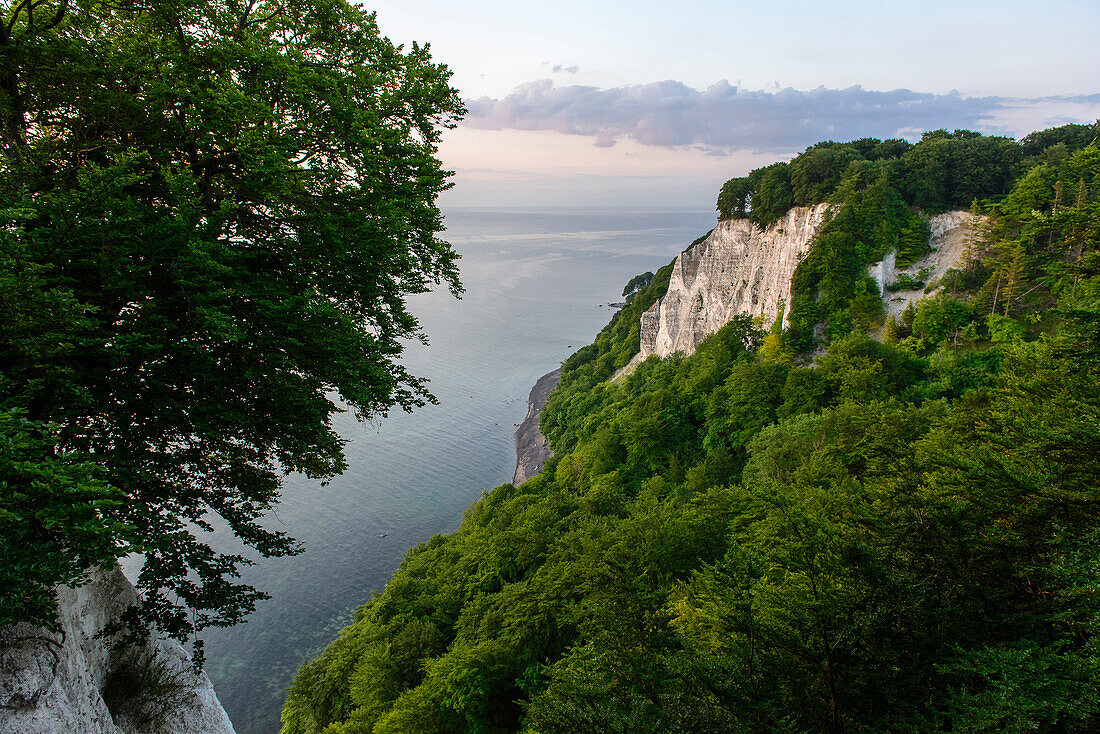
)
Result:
{"points": [[578, 392], [877, 560], [816, 173], [772, 195], [776, 346], [55, 519], [211, 214], [733, 199], [810, 178], [896, 537], [939, 317], [637, 283], [870, 220], [951, 169], [1003, 328], [905, 282], [1073, 137]]}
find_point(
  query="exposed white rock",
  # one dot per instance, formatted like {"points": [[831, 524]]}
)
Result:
{"points": [[736, 269], [950, 233], [739, 269], [53, 683], [883, 272]]}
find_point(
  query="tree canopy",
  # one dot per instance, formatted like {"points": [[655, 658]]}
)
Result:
{"points": [[943, 170], [212, 213]]}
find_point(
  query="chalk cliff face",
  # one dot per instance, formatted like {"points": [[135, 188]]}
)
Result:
{"points": [[739, 269], [56, 683], [736, 269]]}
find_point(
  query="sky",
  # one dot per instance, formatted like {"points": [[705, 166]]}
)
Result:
{"points": [[645, 104]]}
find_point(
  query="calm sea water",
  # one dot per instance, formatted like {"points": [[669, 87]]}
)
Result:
{"points": [[535, 281]]}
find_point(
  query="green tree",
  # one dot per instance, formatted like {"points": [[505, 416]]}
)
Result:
{"points": [[889, 149], [947, 169], [212, 213], [734, 198], [890, 330], [817, 171], [1073, 136], [939, 317], [776, 347], [1015, 280], [771, 194], [637, 283], [52, 518]]}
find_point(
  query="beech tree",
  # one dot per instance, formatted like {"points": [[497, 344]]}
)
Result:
{"points": [[212, 213]]}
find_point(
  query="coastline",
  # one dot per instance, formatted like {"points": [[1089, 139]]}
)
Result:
{"points": [[532, 450]]}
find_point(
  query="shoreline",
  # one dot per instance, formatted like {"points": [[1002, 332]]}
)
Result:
{"points": [[532, 450]]}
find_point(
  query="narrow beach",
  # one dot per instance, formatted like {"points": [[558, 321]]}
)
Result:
{"points": [[532, 450]]}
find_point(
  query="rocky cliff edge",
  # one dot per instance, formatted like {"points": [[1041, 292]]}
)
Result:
{"points": [[73, 682], [739, 269]]}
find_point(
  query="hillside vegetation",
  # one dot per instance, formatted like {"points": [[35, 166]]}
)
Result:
{"points": [[898, 535]]}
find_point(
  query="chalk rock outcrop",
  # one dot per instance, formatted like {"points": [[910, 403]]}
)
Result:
{"points": [[951, 232], [739, 269], [736, 269], [61, 683]]}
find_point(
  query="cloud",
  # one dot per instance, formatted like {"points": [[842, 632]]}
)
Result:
{"points": [[723, 118], [567, 69]]}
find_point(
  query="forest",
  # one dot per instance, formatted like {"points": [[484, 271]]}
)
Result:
{"points": [[874, 525]]}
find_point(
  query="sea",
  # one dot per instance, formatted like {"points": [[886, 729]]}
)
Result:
{"points": [[539, 284]]}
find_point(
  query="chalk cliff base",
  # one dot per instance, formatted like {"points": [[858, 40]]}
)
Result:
{"points": [[54, 683]]}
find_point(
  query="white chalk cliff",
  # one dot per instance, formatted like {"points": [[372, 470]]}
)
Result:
{"points": [[739, 269], [950, 233], [55, 683]]}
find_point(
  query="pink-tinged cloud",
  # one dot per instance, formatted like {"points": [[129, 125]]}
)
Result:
{"points": [[723, 118]]}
